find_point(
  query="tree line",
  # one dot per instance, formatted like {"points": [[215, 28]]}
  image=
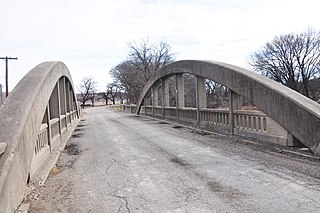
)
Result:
{"points": [[292, 59]]}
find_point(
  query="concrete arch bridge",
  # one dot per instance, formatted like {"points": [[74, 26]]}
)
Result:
{"points": [[286, 117], [41, 113], [35, 122]]}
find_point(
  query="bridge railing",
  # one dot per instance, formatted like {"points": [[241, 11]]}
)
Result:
{"points": [[49, 137], [296, 113], [35, 122], [188, 114], [248, 123]]}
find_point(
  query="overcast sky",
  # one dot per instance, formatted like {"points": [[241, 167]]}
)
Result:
{"points": [[91, 36]]}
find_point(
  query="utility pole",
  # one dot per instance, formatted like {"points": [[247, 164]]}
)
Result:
{"points": [[6, 59]]}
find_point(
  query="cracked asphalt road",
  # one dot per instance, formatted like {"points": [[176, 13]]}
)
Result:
{"points": [[117, 162]]}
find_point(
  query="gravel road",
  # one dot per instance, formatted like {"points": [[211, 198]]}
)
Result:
{"points": [[117, 162]]}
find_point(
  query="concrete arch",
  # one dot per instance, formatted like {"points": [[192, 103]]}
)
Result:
{"points": [[21, 116], [295, 112]]}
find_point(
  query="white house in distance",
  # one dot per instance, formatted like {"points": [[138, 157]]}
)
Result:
{"points": [[2, 95]]}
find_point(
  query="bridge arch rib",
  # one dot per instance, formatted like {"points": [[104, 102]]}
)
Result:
{"points": [[298, 114], [43, 101]]}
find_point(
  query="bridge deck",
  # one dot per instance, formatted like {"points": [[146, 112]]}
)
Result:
{"points": [[117, 162]]}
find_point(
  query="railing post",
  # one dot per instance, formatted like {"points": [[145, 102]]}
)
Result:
{"points": [[231, 116], [166, 93], [59, 108], [179, 93], [62, 101], [234, 104], [162, 96], [201, 99], [65, 101], [54, 106], [152, 99], [69, 101], [156, 96], [145, 105], [49, 126], [177, 98]]}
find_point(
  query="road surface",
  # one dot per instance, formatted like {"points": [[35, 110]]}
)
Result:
{"points": [[118, 162]]}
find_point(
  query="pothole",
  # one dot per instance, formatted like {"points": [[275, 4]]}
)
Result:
{"points": [[72, 149], [177, 127], [78, 135], [199, 132], [178, 161], [215, 186], [162, 122]]}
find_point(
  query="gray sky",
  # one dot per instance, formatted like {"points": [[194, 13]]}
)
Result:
{"points": [[91, 37]]}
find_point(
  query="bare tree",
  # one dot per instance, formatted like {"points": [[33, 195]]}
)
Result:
{"points": [[149, 58], [143, 60], [87, 89], [126, 75], [114, 91], [292, 59]]}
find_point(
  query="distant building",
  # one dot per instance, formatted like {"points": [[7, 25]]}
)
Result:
{"points": [[2, 95], [1, 100]]}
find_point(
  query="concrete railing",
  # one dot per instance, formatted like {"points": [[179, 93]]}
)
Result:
{"points": [[49, 138], [42, 139], [294, 112], [188, 114], [34, 121], [248, 123]]}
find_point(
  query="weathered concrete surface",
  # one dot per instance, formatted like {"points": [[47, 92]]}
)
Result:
{"points": [[298, 114], [20, 119], [117, 162], [3, 147]]}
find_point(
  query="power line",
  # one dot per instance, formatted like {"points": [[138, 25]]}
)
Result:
{"points": [[6, 59]]}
